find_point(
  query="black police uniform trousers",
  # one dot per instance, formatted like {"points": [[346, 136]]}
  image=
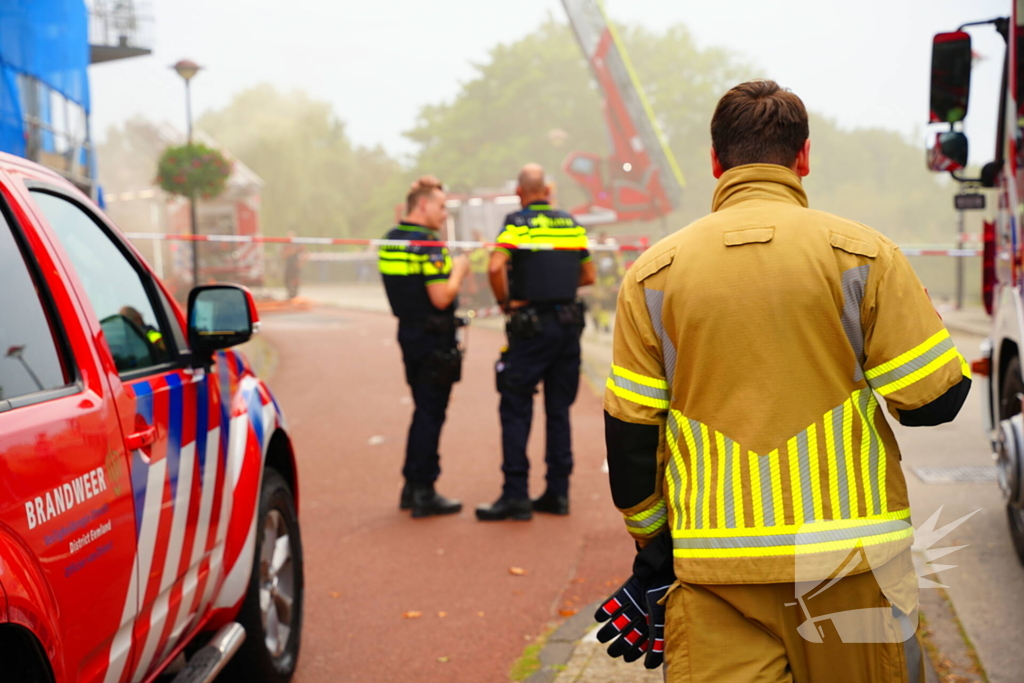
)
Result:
{"points": [[422, 461], [551, 357]]}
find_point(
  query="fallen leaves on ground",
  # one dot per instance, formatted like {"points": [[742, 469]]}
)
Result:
{"points": [[568, 612], [334, 594], [517, 571], [442, 614], [443, 660], [412, 615]]}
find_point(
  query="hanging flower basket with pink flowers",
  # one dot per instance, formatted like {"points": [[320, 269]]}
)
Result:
{"points": [[193, 169]]}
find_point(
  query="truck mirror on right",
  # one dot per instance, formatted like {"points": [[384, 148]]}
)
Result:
{"points": [[951, 77]]}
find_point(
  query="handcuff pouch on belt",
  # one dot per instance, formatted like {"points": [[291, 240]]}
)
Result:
{"points": [[528, 322], [571, 314], [524, 323], [442, 368]]}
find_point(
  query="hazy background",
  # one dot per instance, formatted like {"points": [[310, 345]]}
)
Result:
{"points": [[864, 64], [337, 104]]}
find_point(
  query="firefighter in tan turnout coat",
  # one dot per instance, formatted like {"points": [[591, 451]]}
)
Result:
{"points": [[747, 446]]}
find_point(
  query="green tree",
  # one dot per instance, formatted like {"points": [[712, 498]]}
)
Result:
{"points": [[502, 117], [317, 182]]}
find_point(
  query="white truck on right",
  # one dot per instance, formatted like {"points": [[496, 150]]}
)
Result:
{"points": [[999, 369]]}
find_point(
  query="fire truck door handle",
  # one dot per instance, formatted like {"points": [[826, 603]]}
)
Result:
{"points": [[141, 439]]}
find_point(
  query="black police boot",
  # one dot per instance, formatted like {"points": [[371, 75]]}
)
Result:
{"points": [[405, 502], [505, 508], [552, 504], [426, 502]]}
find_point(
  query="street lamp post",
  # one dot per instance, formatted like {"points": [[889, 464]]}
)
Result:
{"points": [[186, 68]]}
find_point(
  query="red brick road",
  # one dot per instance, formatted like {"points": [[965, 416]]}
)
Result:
{"points": [[340, 383]]}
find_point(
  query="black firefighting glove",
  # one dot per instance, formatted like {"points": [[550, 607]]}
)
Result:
{"points": [[656, 626], [626, 613], [636, 623]]}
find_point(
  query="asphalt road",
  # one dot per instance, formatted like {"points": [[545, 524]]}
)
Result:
{"points": [[340, 383]]}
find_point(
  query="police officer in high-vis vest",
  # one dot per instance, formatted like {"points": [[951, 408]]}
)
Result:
{"points": [[748, 449], [537, 289], [422, 284]]}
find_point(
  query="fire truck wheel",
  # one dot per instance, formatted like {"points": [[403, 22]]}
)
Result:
{"points": [[272, 610], [1013, 387]]}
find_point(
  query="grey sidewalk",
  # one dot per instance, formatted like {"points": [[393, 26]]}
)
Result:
{"points": [[591, 664]]}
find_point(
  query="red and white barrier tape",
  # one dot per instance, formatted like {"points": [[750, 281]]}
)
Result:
{"points": [[351, 242], [914, 251], [453, 244]]}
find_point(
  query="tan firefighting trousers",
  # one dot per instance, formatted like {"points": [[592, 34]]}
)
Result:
{"points": [[748, 633]]}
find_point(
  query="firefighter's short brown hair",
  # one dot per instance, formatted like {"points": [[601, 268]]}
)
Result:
{"points": [[758, 122], [421, 187]]}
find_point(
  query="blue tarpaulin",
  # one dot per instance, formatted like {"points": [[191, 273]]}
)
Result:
{"points": [[45, 40]]}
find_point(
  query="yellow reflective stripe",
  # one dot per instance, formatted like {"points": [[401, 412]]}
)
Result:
{"points": [[949, 355], [824, 525], [557, 232], [737, 485], [851, 474], [647, 522], [397, 255], [509, 236], [677, 466], [795, 490], [720, 489], [399, 268], [635, 397], [153, 336], [644, 514], [691, 447], [910, 355], [793, 550], [882, 495], [965, 367], [775, 471], [755, 488], [866, 432], [832, 463], [639, 379], [436, 282], [814, 458], [705, 455]]}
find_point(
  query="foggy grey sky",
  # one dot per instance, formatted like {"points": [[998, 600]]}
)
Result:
{"points": [[864, 63]]}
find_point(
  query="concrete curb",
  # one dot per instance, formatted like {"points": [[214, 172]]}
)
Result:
{"points": [[558, 648]]}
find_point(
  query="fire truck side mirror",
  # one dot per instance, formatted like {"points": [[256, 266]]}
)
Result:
{"points": [[951, 77]]}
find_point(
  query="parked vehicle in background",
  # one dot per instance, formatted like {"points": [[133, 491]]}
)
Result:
{"points": [[150, 489], [1003, 276]]}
